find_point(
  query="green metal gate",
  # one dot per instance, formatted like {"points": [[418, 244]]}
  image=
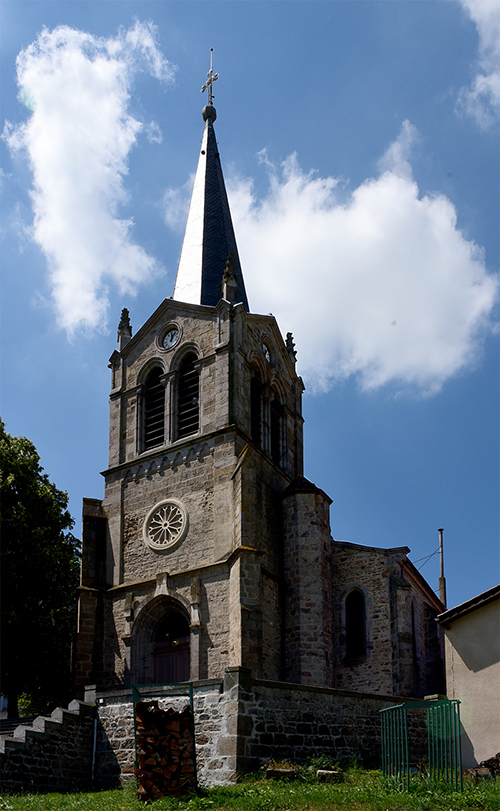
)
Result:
{"points": [[443, 741]]}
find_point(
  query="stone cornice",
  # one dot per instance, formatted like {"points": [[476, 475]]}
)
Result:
{"points": [[151, 581], [189, 448]]}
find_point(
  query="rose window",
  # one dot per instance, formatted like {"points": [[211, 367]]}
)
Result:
{"points": [[165, 525]]}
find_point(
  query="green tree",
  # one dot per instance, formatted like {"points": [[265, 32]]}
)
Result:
{"points": [[39, 576]]}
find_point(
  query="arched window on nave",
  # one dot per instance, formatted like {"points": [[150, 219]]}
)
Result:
{"points": [[355, 625]]}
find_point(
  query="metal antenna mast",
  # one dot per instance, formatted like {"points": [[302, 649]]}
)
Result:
{"points": [[210, 80], [442, 579]]}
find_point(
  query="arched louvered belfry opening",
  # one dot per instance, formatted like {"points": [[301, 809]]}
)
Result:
{"points": [[276, 443], [256, 409], [355, 625], [154, 409], [188, 397]]}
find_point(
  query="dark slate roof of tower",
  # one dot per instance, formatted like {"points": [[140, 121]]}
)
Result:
{"points": [[209, 238]]}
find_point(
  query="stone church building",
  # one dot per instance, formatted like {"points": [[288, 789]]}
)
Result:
{"points": [[210, 549]]}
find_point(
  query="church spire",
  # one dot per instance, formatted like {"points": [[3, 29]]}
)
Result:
{"points": [[209, 237]]}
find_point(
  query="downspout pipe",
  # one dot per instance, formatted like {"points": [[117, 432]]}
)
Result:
{"points": [[94, 748]]}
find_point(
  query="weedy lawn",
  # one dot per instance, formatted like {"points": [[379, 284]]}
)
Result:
{"points": [[361, 791]]}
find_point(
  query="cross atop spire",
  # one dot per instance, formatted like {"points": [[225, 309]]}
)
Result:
{"points": [[210, 80]]}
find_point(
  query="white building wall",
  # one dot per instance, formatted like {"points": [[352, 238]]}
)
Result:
{"points": [[473, 676]]}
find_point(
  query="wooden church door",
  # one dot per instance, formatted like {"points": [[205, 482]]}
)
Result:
{"points": [[171, 649]]}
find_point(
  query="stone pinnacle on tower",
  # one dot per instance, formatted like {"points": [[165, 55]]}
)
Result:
{"points": [[209, 237]]}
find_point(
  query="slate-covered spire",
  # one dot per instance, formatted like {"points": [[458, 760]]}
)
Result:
{"points": [[209, 238]]}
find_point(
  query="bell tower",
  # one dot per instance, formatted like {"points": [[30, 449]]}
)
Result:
{"points": [[182, 570]]}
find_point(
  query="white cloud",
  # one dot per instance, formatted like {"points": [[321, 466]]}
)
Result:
{"points": [[175, 205], [382, 286], [78, 139], [397, 156], [482, 99]]}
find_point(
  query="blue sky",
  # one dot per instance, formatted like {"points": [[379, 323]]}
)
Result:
{"points": [[359, 141]]}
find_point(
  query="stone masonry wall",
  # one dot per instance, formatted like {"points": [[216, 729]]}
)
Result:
{"points": [[367, 569], [295, 722], [307, 572], [240, 723], [260, 484], [55, 754], [404, 647], [403, 680], [127, 604], [214, 713], [192, 480], [428, 648]]}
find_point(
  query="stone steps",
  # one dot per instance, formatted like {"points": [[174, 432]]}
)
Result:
{"points": [[53, 754], [8, 725]]}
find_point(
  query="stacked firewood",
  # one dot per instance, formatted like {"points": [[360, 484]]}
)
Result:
{"points": [[165, 751]]}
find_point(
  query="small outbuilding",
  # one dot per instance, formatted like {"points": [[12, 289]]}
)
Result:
{"points": [[472, 650]]}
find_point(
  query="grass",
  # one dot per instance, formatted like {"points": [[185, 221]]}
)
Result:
{"points": [[361, 791]]}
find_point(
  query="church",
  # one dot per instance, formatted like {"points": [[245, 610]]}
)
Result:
{"points": [[211, 550]]}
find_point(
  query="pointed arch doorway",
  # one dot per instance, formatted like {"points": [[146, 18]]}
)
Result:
{"points": [[161, 644], [171, 660]]}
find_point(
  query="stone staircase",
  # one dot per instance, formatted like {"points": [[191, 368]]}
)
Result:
{"points": [[8, 725], [54, 753]]}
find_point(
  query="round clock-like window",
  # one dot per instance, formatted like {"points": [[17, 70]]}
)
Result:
{"points": [[165, 525], [171, 337]]}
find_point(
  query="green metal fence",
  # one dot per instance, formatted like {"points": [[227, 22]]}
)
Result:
{"points": [[445, 751], [443, 741]]}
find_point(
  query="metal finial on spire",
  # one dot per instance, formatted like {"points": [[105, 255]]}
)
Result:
{"points": [[210, 80]]}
